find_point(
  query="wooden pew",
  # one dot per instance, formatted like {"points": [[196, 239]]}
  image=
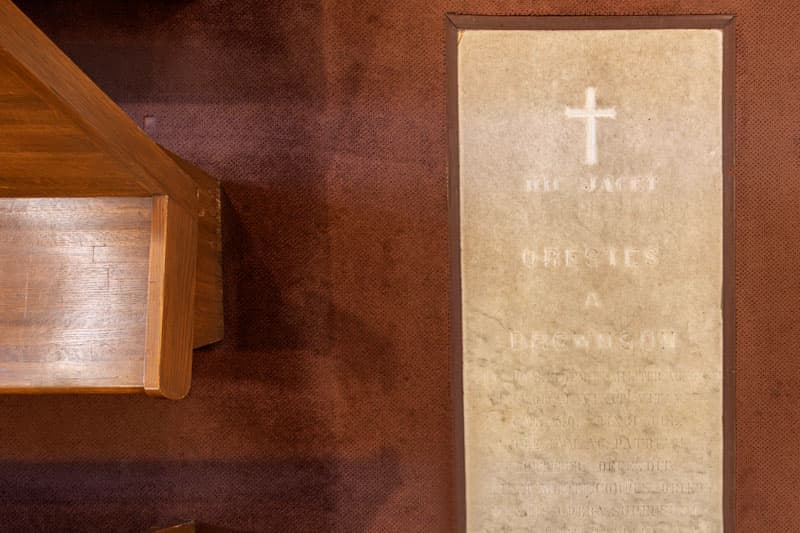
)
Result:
{"points": [[110, 247]]}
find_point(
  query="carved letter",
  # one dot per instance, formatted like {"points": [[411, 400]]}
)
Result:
{"points": [[517, 341], [528, 258], [551, 257], [592, 300]]}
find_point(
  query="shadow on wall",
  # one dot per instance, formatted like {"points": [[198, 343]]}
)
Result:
{"points": [[182, 51], [271, 303], [90, 496], [296, 315]]}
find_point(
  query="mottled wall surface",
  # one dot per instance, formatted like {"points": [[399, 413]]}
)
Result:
{"points": [[327, 407]]}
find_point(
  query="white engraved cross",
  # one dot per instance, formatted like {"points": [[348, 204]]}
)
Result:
{"points": [[590, 113]]}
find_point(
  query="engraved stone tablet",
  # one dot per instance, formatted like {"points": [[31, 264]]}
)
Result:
{"points": [[590, 186]]}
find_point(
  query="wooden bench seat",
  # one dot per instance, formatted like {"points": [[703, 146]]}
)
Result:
{"points": [[110, 246]]}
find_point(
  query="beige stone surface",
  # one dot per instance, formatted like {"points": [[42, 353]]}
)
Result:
{"points": [[592, 292]]}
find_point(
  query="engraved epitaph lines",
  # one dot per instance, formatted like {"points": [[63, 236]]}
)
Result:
{"points": [[590, 114]]}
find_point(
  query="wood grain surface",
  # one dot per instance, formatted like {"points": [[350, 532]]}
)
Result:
{"points": [[43, 152], [170, 308], [62, 137], [208, 308], [101, 124], [73, 292]]}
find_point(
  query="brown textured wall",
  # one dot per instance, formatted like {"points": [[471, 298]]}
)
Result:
{"points": [[327, 406]]}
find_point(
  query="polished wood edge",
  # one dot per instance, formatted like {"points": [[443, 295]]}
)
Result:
{"points": [[209, 324], [209, 319], [69, 390], [72, 92], [170, 302], [458, 22], [155, 293]]}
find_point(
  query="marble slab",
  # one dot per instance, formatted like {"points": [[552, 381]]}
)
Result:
{"points": [[591, 232]]}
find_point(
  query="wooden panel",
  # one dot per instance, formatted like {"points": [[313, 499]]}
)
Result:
{"points": [[42, 150], [61, 136], [52, 76], [208, 308], [73, 285], [15, 138], [170, 308]]}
